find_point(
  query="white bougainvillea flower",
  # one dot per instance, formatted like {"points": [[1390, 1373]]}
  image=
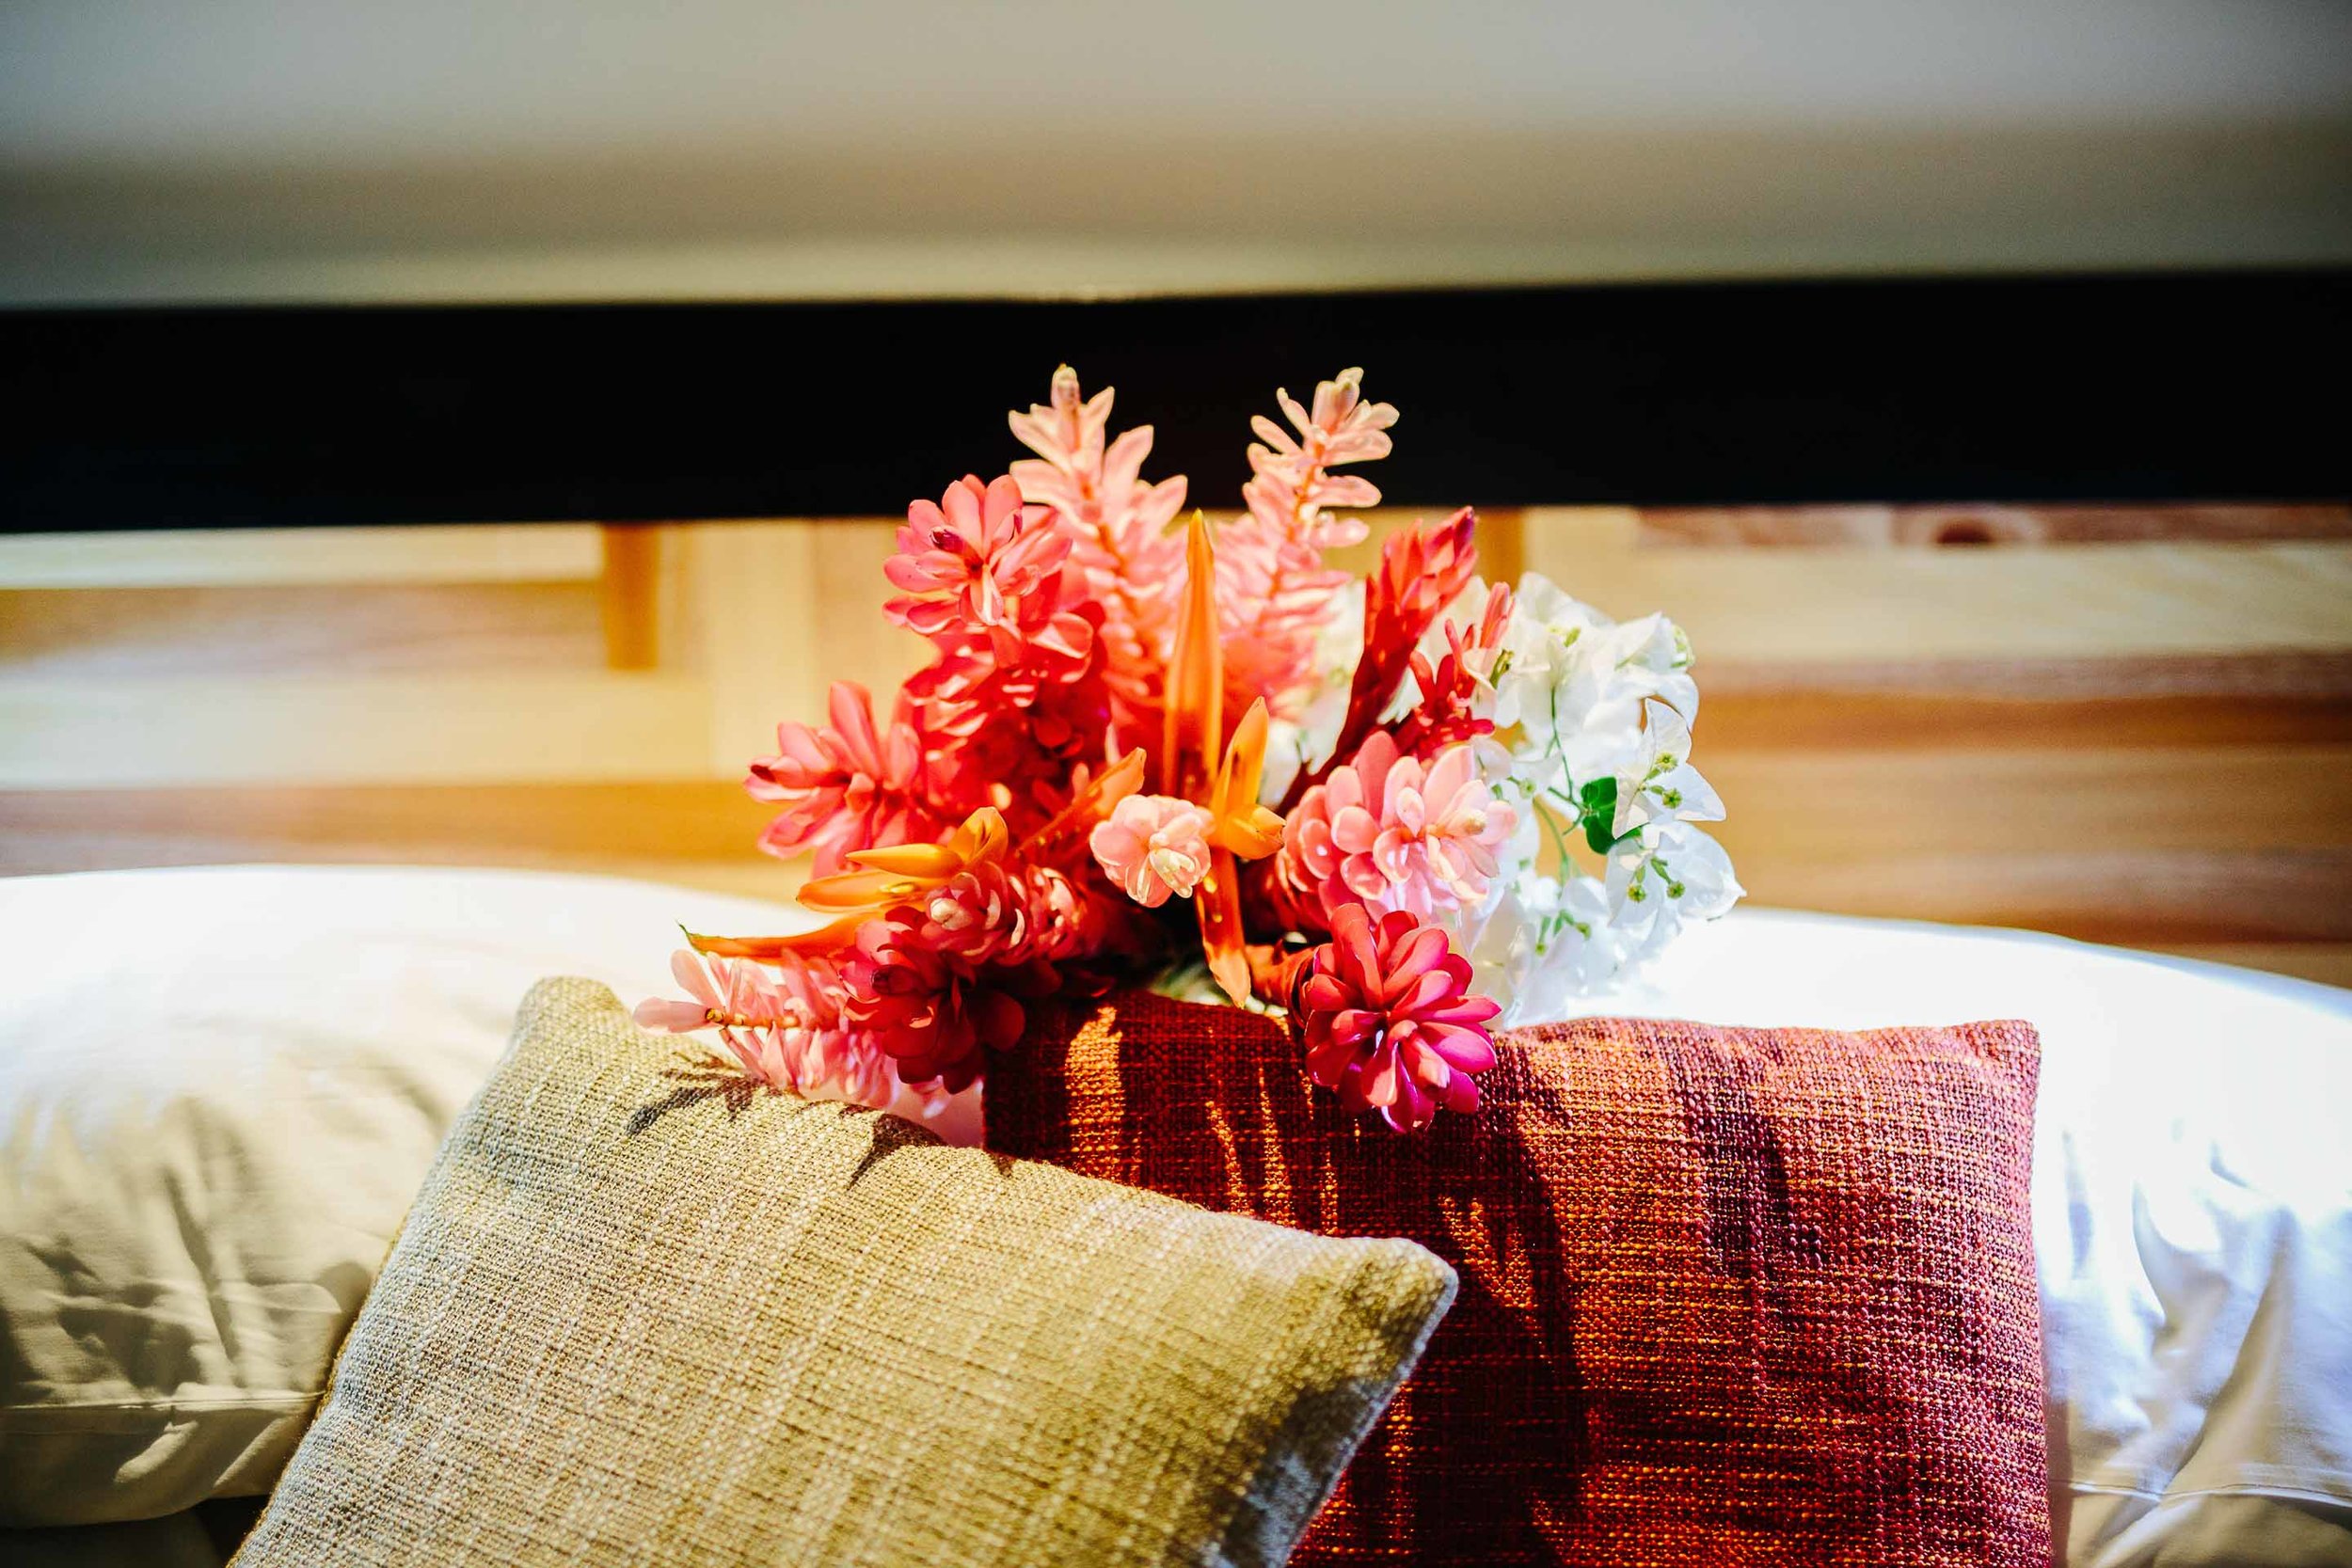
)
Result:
{"points": [[1661, 785], [1570, 682], [1539, 943], [1663, 876]]}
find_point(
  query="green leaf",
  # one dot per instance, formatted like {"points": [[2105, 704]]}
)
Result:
{"points": [[1599, 820]]}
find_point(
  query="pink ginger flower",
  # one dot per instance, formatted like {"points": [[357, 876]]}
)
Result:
{"points": [[934, 1015], [1153, 846], [783, 1026], [1015, 697], [1117, 529], [1291, 483], [1387, 831], [728, 994], [979, 914], [1076, 922], [1389, 1021], [1273, 589], [848, 786], [979, 563]]}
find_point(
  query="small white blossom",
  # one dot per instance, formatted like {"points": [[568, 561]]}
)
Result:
{"points": [[1661, 785], [1663, 876], [1539, 945], [1571, 682]]}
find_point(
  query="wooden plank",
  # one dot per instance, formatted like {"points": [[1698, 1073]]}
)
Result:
{"points": [[136, 633], [2134, 897], [699, 834], [854, 639], [414, 728], [1984, 523], [1813, 722], [2315, 676], [1788, 609], [481, 552], [2002, 806], [579, 826], [759, 628]]}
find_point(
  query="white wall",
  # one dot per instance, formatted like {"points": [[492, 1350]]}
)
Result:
{"points": [[537, 148]]}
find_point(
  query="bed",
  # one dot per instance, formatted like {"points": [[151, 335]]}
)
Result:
{"points": [[283, 1045], [295, 1038]]}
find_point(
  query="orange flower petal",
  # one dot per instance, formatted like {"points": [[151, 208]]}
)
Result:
{"points": [[1238, 776], [1252, 836], [983, 836], [932, 860], [862, 890], [1243, 826], [824, 939], [1092, 803], [1217, 899]]}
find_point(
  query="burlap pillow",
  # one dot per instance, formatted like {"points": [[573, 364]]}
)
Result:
{"points": [[634, 1320], [1728, 1295]]}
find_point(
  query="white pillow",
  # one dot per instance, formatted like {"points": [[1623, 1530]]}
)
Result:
{"points": [[218, 1090]]}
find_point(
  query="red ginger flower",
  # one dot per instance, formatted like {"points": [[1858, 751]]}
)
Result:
{"points": [[1011, 736], [847, 785], [1421, 571], [934, 1015], [1015, 696], [1450, 690], [1389, 1020], [979, 915], [1078, 922]]}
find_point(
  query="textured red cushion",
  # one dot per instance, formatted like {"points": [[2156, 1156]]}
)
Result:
{"points": [[1728, 1295]]}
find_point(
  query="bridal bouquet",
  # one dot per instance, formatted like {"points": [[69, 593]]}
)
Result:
{"points": [[1377, 804]]}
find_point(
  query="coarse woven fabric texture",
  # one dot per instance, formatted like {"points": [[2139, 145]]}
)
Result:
{"points": [[639, 1317], [1728, 1295]]}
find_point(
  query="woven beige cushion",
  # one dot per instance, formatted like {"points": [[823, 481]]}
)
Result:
{"points": [[645, 1318]]}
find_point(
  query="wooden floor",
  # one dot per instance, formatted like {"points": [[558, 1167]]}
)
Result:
{"points": [[2129, 725]]}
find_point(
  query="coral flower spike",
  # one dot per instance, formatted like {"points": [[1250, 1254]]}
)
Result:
{"points": [[1239, 828]]}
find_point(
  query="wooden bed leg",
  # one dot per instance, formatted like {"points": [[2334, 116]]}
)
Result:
{"points": [[631, 596]]}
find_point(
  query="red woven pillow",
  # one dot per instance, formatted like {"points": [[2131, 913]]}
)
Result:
{"points": [[1728, 1295]]}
